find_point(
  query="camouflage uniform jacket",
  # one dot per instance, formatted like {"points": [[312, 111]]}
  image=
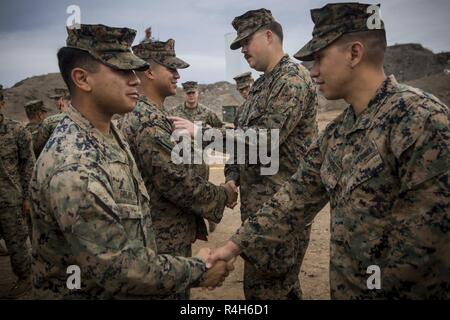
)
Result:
{"points": [[180, 199], [386, 175], [16, 162], [90, 208], [45, 130], [33, 127], [286, 100]]}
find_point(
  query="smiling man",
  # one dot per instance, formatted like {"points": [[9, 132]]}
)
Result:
{"points": [[90, 206], [180, 196], [383, 164], [283, 98]]}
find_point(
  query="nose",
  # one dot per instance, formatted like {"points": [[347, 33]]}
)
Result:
{"points": [[176, 75], [314, 72], [134, 80]]}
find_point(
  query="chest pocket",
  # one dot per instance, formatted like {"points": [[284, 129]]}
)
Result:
{"points": [[366, 165], [129, 216]]}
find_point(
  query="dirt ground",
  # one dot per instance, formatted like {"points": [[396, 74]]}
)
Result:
{"points": [[314, 275]]}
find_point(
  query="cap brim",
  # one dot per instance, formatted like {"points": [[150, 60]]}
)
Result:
{"points": [[314, 45], [236, 44], [190, 90], [174, 63], [124, 61]]}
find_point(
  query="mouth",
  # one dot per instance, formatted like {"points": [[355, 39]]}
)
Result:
{"points": [[247, 57], [133, 95]]}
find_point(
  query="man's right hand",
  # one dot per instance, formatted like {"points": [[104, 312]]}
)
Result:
{"points": [[232, 193], [217, 272], [216, 275]]}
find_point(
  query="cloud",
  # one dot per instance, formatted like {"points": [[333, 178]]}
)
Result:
{"points": [[31, 32]]}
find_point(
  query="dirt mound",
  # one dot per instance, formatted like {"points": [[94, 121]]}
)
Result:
{"points": [[437, 84], [412, 63]]}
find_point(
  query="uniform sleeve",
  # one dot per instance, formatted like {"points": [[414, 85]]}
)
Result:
{"points": [[213, 120], [178, 182], [26, 160], [42, 136], [421, 214], [286, 105], [269, 239], [106, 240]]}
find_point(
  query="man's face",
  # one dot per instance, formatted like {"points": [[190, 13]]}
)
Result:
{"points": [[192, 97], [114, 91], [41, 115], [331, 72], [244, 92], [58, 102], [165, 79], [254, 49]]}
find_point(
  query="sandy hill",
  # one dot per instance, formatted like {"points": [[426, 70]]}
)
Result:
{"points": [[410, 63]]}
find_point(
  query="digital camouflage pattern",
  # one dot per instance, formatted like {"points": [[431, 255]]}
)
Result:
{"points": [[110, 45], [243, 80], [284, 99], [162, 52], [248, 23], [207, 117], [16, 165], [91, 209], [45, 130], [190, 86], [386, 175], [33, 107], [60, 93], [332, 21], [199, 113], [180, 197]]}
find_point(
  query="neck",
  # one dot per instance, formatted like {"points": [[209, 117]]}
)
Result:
{"points": [[153, 95], [90, 111], [191, 105], [363, 89], [275, 59]]}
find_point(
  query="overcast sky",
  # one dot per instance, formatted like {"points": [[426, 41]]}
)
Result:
{"points": [[32, 31]]}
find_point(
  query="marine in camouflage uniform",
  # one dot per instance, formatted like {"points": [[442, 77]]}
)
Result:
{"points": [[180, 196], [36, 112], [244, 82], [45, 129], [16, 165], [284, 99], [385, 172], [198, 112], [90, 204]]}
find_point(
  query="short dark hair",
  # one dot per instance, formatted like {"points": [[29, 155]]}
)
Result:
{"points": [[374, 41], [70, 58], [276, 28]]}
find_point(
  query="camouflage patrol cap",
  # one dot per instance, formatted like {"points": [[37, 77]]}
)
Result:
{"points": [[243, 80], [34, 106], [60, 93], [190, 86], [109, 45], [163, 52], [334, 20], [248, 23]]}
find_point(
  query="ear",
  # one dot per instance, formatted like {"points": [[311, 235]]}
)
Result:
{"points": [[80, 78], [149, 74], [357, 51], [269, 36]]}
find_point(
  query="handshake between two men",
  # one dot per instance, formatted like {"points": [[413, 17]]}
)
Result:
{"points": [[220, 261]]}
